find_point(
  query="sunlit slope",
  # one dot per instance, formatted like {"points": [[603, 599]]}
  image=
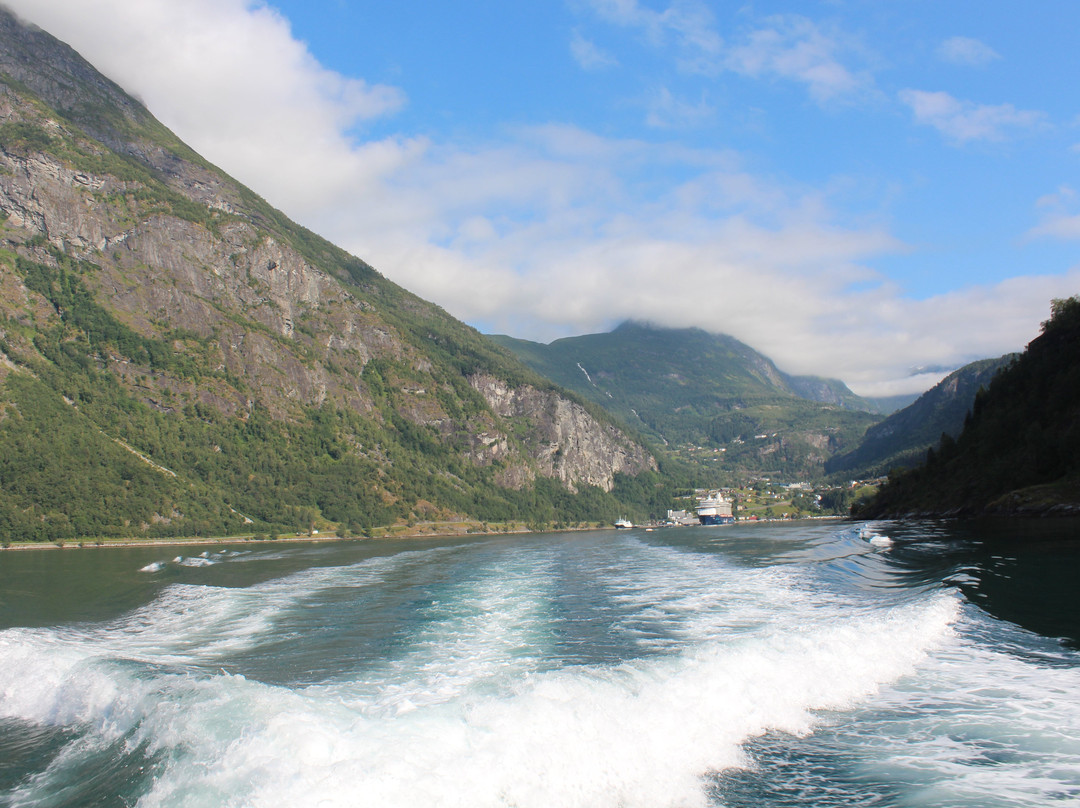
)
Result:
{"points": [[686, 387], [179, 357]]}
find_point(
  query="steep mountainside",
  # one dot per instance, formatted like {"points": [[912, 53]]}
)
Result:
{"points": [[688, 388], [828, 391], [901, 440], [1019, 452], [176, 356], [887, 405]]}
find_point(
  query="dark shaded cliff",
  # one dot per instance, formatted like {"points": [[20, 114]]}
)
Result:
{"points": [[1019, 452], [901, 440]]}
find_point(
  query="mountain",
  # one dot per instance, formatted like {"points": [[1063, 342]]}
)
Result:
{"points": [[703, 394], [887, 405], [178, 357], [1019, 452], [828, 391], [901, 440]]}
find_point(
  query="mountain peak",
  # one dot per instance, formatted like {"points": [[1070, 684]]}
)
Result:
{"points": [[64, 81], [687, 389]]}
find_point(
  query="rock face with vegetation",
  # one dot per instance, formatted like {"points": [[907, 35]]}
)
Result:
{"points": [[901, 440], [178, 357], [690, 390], [1019, 451], [566, 441]]}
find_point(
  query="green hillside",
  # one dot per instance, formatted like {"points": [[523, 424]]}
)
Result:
{"points": [[1019, 452], [705, 397], [901, 440], [177, 357]]}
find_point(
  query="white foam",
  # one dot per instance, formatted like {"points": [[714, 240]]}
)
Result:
{"points": [[991, 729], [675, 597], [878, 540], [48, 681], [468, 711], [188, 624], [641, 734], [481, 632]]}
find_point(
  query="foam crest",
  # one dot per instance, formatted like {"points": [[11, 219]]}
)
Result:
{"points": [[641, 734], [672, 597], [479, 633], [48, 680], [68, 675], [992, 728], [189, 624]]}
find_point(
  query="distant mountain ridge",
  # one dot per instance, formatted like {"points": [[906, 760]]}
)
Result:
{"points": [[901, 440], [690, 387], [1019, 452], [177, 356]]}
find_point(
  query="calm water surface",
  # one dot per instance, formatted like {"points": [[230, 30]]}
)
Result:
{"points": [[765, 665]]}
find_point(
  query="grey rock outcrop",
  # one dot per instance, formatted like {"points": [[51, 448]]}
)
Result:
{"points": [[566, 441]]}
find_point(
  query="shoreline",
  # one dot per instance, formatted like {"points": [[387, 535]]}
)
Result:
{"points": [[104, 544], [75, 544], [410, 533]]}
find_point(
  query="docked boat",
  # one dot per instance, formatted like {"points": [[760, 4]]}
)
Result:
{"points": [[714, 509], [621, 523]]}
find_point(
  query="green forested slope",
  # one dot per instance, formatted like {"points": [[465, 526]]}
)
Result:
{"points": [[901, 440], [178, 357], [688, 388], [1020, 449]]}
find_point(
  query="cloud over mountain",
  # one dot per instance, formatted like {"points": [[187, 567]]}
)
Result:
{"points": [[554, 227]]}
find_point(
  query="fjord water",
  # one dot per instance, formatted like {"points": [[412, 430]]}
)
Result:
{"points": [[747, 665]]}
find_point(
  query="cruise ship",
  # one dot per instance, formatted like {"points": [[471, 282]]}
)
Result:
{"points": [[714, 509]]}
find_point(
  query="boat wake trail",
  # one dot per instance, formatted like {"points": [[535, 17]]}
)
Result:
{"points": [[612, 674]]}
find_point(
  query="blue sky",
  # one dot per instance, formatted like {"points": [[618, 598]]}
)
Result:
{"points": [[856, 188]]}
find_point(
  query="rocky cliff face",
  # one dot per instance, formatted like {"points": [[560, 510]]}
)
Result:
{"points": [[239, 289], [565, 440], [235, 307]]}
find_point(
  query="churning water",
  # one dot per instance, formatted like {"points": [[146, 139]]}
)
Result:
{"points": [[767, 665]]}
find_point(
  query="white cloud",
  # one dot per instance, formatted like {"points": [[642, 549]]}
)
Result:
{"points": [[588, 55], [952, 329], [230, 78], [665, 111], [725, 251], [795, 48], [963, 50], [548, 231], [963, 121], [689, 24], [1058, 219], [1063, 196], [1062, 226], [785, 46]]}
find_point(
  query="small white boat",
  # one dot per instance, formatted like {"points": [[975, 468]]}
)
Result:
{"points": [[876, 539]]}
